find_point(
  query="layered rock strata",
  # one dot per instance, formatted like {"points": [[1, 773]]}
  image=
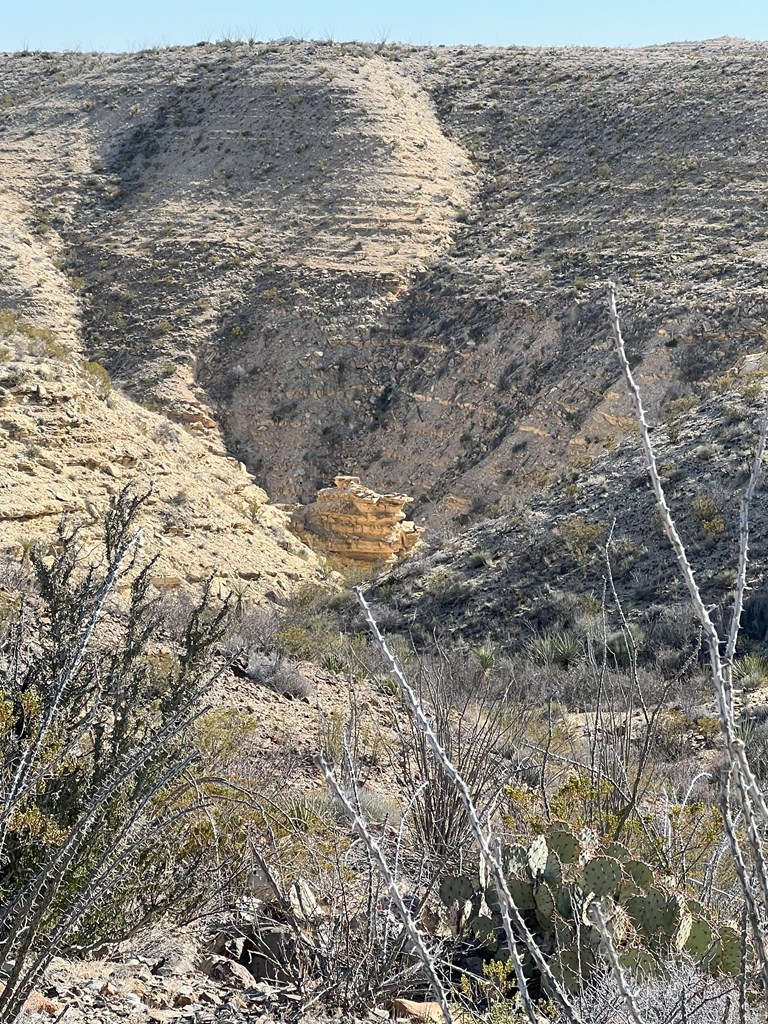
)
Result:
{"points": [[357, 525]]}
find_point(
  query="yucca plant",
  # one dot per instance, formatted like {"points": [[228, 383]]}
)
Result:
{"points": [[556, 648], [751, 671]]}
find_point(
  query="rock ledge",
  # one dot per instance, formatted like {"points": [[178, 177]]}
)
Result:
{"points": [[357, 525]]}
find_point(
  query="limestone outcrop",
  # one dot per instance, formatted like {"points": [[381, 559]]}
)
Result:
{"points": [[357, 525]]}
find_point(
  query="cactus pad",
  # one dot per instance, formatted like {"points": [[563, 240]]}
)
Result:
{"points": [[553, 871], [564, 843], [644, 914], [538, 852], [563, 902], [626, 891], [657, 915], [483, 929], [456, 889], [522, 893], [571, 968], [618, 925], [565, 935], [682, 932], [727, 952], [545, 905], [602, 875], [639, 962], [699, 937], [673, 915], [514, 861], [640, 873], [618, 851]]}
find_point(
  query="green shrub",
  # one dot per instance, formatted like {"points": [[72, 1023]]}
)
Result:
{"points": [[93, 725], [100, 376], [582, 538], [751, 671]]}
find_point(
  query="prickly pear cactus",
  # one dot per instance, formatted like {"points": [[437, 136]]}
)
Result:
{"points": [[725, 955], [682, 932], [618, 851], [514, 861], [564, 843], [572, 967], [557, 882], [538, 854], [699, 937], [564, 903], [640, 963], [601, 876], [483, 928], [647, 912], [545, 905], [639, 873], [456, 889], [522, 893], [553, 871], [672, 915]]}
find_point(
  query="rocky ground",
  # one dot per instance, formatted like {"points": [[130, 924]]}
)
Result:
{"points": [[170, 974], [541, 561]]}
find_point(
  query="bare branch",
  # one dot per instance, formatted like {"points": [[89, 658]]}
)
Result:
{"points": [[509, 911], [391, 883]]}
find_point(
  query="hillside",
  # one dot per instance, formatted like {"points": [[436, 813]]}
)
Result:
{"points": [[319, 258]]}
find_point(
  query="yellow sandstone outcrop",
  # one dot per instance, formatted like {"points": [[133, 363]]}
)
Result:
{"points": [[355, 524]]}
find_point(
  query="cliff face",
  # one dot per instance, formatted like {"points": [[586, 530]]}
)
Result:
{"points": [[355, 525], [387, 261]]}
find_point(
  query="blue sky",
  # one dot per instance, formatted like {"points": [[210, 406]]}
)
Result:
{"points": [[134, 24]]}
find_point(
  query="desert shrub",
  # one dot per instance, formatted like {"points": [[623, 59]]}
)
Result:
{"points": [[672, 735], [251, 628], [308, 638], [373, 806], [582, 538], [681, 994], [447, 586], [622, 644], [751, 671], [754, 732], [682, 405], [755, 617], [92, 732], [279, 675], [352, 951], [333, 661], [671, 625], [100, 376], [477, 725], [315, 622]]}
